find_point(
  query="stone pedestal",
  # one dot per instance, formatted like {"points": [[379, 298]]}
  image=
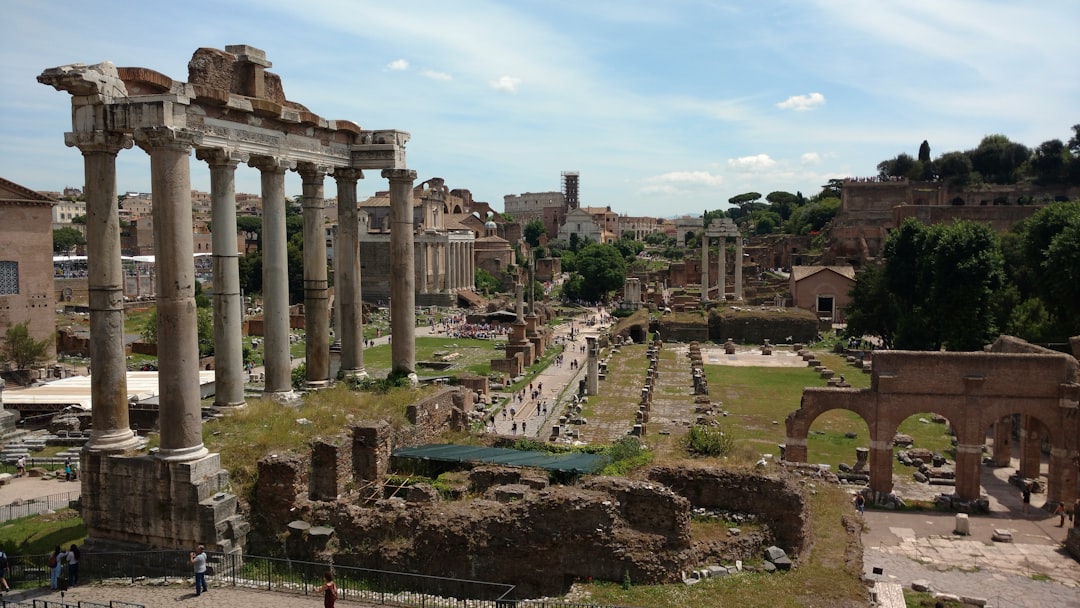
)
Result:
{"points": [[176, 504]]}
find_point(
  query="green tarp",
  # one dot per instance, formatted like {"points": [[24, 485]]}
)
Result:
{"points": [[571, 463]]}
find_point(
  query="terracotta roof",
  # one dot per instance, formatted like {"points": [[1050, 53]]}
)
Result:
{"points": [[799, 273], [12, 192]]}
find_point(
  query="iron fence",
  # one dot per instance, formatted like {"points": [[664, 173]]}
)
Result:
{"points": [[61, 604], [34, 506], [284, 576]]}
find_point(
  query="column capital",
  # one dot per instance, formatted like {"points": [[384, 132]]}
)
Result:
{"points": [[347, 175], [88, 142], [312, 173], [220, 156], [165, 138], [399, 174], [270, 164]]}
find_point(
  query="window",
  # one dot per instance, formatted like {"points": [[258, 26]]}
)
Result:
{"points": [[825, 306], [9, 278]]}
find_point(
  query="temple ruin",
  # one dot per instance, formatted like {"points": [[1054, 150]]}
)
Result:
{"points": [[230, 111]]}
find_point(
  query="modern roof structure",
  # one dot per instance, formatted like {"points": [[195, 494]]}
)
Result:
{"points": [[573, 462]]}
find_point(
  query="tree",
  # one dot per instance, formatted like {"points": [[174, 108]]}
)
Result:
{"points": [[1047, 165], [924, 152], [937, 288], [742, 199], [782, 203], [998, 160], [204, 319], [21, 349], [954, 168], [656, 238], [629, 248], [532, 232], [602, 269], [65, 239], [485, 282], [902, 166]]}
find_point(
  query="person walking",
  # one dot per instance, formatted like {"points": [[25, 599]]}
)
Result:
{"points": [[1025, 495], [20, 466], [73, 565], [329, 590], [198, 562]]}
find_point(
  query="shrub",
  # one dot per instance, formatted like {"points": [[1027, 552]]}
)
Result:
{"points": [[709, 441]]}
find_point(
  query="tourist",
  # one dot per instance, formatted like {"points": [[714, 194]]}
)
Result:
{"points": [[4, 570], [860, 503], [513, 428], [55, 563], [20, 466], [198, 562], [329, 590], [1060, 512], [73, 565], [68, 473], [1025, 494]]}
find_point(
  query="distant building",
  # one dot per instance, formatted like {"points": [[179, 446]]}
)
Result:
{"points": [[26, 268], [824, 290], [583, 224]]}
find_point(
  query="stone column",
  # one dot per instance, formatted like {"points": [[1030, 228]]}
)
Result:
{"points": [[968, 461], [316, 289], [275, 278], [347, 274], [592, 367], [111, 430], [794, 449], [437, 267], [1030, 448], [228, 307], [402, 291], [423, 246], [179, 410], [1061, 483], [881, 457], [472, 265], [738, 268], [722, 269], [1003, 442], [704, 268]]}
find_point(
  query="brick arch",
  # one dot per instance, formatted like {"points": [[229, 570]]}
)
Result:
{"points": [[972, 390]]}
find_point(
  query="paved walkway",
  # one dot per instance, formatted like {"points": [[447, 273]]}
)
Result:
{"points": [[173, 595], [1031, 572]]}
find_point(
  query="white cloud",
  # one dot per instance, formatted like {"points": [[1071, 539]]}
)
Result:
{"points": [[432, 74], [758, 162], [398, 65], [505, 83], [810, 158], [703, 178], [802, 103]]}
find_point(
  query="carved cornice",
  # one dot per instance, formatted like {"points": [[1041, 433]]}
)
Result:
{"points": [[167, 138], [94, 142]]}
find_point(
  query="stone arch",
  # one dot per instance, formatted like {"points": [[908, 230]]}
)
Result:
{"points": [[972, 390]]}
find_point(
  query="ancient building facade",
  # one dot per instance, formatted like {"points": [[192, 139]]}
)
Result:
{"points": [[26, 269], [231, 111], [444, 254], [824, 290]]}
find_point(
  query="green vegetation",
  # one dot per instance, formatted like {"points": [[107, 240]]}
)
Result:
{"points": [[709, 441], [40, 534], [21, 349]]}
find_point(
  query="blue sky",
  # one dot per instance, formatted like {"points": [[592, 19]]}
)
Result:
{"points": [[664, 108]]}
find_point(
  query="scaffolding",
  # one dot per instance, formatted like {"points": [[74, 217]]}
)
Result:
{"points": [[570, 189]]}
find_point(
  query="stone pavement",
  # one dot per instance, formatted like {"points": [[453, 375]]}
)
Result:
{"points": [[172, 595], [1031, 572]]}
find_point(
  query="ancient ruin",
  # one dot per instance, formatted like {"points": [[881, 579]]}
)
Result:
{"points": [[231, 110], [976, 392]]}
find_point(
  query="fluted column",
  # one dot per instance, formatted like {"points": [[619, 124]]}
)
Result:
{"points": [[111, 430], [316, 293], [722, 269], [403, 289], [228, 307], [738, 268], [275, 279], [179, 409], [347, 273], [704, 268], [423, 247], [472, 265]]}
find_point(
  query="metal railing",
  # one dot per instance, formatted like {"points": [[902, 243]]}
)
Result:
{"points": [[284, 576], [61, 604], [34, 506]]}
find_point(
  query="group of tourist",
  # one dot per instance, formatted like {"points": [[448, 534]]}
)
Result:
{"points": [[56, 562]]}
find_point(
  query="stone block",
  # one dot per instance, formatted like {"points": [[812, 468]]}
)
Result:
{"points": [[1001, 535], [773, 553], [6, 478], [963, 525], [921, 586]]}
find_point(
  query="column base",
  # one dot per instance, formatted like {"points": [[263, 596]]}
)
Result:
{"points": [[358, 372], [284, 397], [182, 454], [316, 385], [119, 440], [230, 404]]}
